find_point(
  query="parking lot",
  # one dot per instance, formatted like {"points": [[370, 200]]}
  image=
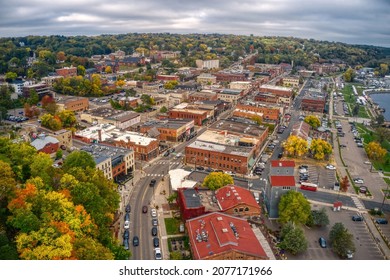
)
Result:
{"points": [[319, 175], [366, 246]]}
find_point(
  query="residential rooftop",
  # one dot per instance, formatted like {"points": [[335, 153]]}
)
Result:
{"points": [[101, 152], [227, 149], [239, 125]]}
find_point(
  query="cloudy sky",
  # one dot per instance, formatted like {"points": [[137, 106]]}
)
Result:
{"points": [[349, 21]]}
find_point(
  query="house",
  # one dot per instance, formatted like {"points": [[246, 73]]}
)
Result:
{"points": [[74, 104], [45, 144], [218, 236]]}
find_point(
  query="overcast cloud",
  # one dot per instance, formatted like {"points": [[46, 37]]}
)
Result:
{"points": [[349, 21]]}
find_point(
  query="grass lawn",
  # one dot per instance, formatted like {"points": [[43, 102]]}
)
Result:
{"points": [[172, 225]]}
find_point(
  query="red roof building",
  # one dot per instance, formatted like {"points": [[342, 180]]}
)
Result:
{"points": [[235, 200], [282, 181], [282, 163], [217, 236]]}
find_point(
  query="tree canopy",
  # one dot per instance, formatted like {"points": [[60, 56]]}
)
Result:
{"points": [[294, 207], [216, 180], [293, 239], [341, 240], [313, 121], [320, 148], [295, 146]]}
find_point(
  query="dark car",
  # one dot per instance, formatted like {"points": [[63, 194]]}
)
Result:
{"points": [[322, 242], [200, 168], [357, 218], [363, 189], [152, 182], [257, 172], [128, 208], [154, 231], [126, 243], [127, 217], [154, 222], [126, 234], [208, 169], [280, 155], [135, 241], [381, 221], [144, 209], [166, 154], [156, 242]]}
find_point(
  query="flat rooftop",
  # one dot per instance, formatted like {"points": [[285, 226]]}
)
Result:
{"points": [[239, 126], [102, 152], [314, 95], [225, 138], [170, 123], [226, 149]]}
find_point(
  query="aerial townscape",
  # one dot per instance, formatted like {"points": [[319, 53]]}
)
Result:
{"points": [[165, 146]]}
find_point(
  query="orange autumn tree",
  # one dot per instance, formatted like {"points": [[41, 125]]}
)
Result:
{"points": [[52, 227]]}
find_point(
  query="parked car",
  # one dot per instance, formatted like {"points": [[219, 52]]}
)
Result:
{"points": [[357, 218], [127, 217], [154, 231], [128, 208], [135, 241], [144, 209], [166, 154], [381, 221], [363, 189], [126, 234], [208, 169], [152, 183], [358, 181], [126, 243], [201, 168], [154, 222], [157, 254], [127, 225], [330, 167], [153, 212], [322, 242], [156, 242]]}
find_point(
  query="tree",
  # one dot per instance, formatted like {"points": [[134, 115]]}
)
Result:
{"points": [[172, 197], [78, 159], [59, 154], [383, 69], [349, 75], [33, 98], [313, 121], [344, 184], [294, 207], [295, 146], [294, 240], [108, 69], [67, 118], [80, 70], [10, 76], [41, 166], [51, 122], [320, 148], [163, 109], [383, 134], [61, 56], [7, 179], [341, 240], [318, 218], [170, 85], [176, 255], [375, 151], [216, 180], [355, 110]]}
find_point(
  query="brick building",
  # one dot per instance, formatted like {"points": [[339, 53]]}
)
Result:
{"points": [[217, 236], [266, 98], [230, 77], [314, 101], [202, 96], [67, 72], [170, 129], [198, 116], [41, 89], [267, 113], [74, 104]]}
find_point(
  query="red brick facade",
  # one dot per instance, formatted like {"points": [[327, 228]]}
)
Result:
{"points": [[271, 114], [199, 117]]}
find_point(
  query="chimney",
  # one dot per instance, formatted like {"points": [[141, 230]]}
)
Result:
{"points": [[99, 135]]}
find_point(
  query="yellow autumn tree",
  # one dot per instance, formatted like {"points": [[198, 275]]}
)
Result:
{"points": [[375, 151], [295, 146], [320, 148], [313, 121]]}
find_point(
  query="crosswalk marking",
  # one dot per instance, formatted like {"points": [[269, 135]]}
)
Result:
{"points": [[357, 202]]}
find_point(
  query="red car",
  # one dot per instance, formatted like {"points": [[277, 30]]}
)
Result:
{"points": [[144, 209]]}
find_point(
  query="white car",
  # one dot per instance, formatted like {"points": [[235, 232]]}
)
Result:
{"points": [[127, 224], [157, 254], [330, 167], [358, 181], [367, 162], [153, 212]]}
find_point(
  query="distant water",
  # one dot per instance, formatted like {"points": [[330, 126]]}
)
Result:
{"points": [[383, 100]]}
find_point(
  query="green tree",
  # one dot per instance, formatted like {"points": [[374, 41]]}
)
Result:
{"points": [[355, 110], [318, 218], [175, 255], [349, 75], [320, 148], [81, 70], [294, 240], [341, 240], [59, 154], [7, 249], [313, 121], [216, 180], [33, 98], [10, 76], [41, 166], [294, 207], [163, 109], [383, 134], [78, 159]]}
